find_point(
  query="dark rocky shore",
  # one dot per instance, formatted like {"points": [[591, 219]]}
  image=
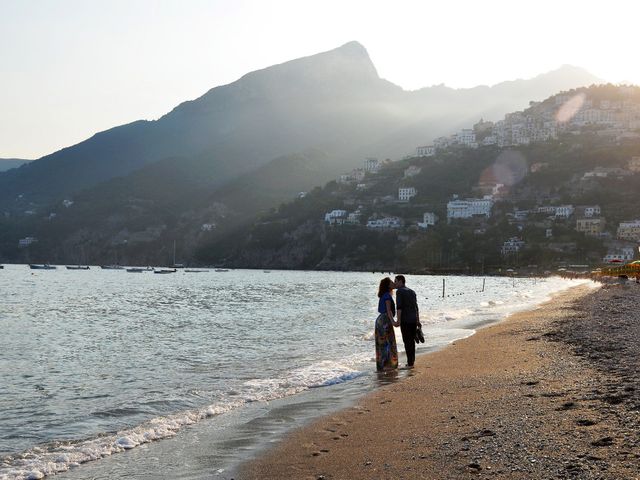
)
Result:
{"points": [[604, 331], [579, 415]]}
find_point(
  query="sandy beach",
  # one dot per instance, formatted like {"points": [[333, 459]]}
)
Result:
{"points": [[549, 393]]}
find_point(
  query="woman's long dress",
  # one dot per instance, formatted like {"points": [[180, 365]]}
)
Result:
{"points": [[386, 348]]}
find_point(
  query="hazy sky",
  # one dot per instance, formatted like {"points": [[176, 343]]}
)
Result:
{"points": [[70, 68]]}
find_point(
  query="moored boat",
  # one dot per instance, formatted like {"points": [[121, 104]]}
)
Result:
{"points": [[164, 270], [136, 270], [41, 266], [77, 267], [111, 267]]}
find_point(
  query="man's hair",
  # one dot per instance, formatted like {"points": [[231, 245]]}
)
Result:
{"points": [[401, 278]]}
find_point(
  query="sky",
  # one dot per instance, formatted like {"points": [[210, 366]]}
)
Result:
{"points": [[71, 68]]}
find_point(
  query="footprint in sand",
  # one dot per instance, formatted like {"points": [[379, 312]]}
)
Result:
{"points": [[320, 452]]}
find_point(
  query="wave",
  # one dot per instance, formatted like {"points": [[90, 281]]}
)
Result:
{"points": [[60, 456]]}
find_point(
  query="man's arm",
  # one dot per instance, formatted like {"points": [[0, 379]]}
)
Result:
{"points": [[399, 303]]}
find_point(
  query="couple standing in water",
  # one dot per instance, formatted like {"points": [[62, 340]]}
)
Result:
{"points": [[408, 319]]}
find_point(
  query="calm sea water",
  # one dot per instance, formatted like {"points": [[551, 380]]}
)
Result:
{"points": [[96, 362]]}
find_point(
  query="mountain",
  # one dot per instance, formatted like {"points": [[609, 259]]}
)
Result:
{"points": [[333, 102], [9, 163]]}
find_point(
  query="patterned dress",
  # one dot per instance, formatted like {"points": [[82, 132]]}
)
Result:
{"points": [[386, 348]]}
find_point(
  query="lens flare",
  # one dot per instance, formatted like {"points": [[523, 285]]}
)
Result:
{"points": [[569, 108], [509, 168]]}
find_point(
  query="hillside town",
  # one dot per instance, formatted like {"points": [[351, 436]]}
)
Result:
{"points": [[611, 114], [616, 119]]}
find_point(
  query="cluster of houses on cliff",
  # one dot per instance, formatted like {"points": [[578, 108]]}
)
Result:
{"points": [[588, 219], [544, 121], [614, 113]]}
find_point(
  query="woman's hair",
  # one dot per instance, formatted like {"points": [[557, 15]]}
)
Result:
{"points": [[385, 286]]}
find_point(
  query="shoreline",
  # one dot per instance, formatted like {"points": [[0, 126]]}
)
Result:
{"points": [[512, 400]]}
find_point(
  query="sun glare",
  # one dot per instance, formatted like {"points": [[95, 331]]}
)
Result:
{"points": [[570, 108]]}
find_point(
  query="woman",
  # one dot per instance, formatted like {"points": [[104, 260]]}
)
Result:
{"points": [[386, 349]]}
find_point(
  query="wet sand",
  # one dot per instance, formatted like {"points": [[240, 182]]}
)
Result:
{"points": [[549, 393]]}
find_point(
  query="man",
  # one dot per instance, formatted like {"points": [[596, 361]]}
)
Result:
{"points": [[408, 317]]}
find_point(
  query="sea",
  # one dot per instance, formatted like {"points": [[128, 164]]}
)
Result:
{"points": [[106, 374]]}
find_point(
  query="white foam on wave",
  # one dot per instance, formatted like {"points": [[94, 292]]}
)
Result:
{"points": [[448, 315], [58, 457]]}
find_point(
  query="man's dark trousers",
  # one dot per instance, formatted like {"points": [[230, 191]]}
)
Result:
{"points": [[408, 330]]}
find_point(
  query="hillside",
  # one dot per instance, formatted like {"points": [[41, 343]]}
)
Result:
{"points": [[553, 202], [334, 102], [137, 218]]}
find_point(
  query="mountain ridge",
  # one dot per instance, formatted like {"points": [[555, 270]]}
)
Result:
{"points": [[334, 100], [9, 163]]}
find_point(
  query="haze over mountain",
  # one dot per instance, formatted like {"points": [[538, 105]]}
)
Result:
{"points": [[9, 163], [333, 102]]}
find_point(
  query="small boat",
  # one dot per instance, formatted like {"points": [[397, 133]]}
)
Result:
{"points": [[266, 271], [1, 267], [41, 266], [77, 267], [164, 270], [111, 267], [195, 271], [136, 270], [221, 270]]}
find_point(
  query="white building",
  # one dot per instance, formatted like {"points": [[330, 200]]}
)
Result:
{"points": [[428, 219], [466, 137], [589, 211], [469, 208], [406, 193], [564, 211], [335, 217], [425, 151], [67, 203], [520, 215], [26, 241], [384, 223], [207, 227], [512, 246], [629, 230], [624, 254], [490, 140], [441, 143], [546, 209], [371, 165], [358, 174], [344, 178], [412, 171]]}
